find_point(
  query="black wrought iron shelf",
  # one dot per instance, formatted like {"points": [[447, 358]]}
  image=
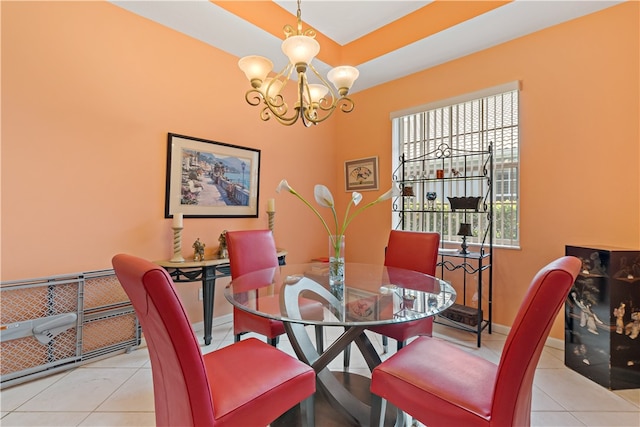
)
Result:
{"points": [[457, 172], [443, 211]]}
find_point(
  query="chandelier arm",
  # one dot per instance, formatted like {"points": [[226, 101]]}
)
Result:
{"points": [[329, 86], [266, 114], [304, 110], [346, 104], [321, 119], [270, 110], [253, 97], [276, 106]]}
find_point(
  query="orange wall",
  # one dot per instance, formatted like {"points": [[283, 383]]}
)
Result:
{"points": [[580, 155], [89, 92]]}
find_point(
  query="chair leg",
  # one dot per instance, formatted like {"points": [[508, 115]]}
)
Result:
{"points": [[307, 411], [378, 409], [319, 339], [273, 341], [347, 356], [385, 344], [401, 344], [236, 337]]}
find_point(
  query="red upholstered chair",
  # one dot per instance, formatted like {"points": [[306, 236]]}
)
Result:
{"points": [[417, 251], [411, 250], [228, 387], [252, 250], [440, 384]]}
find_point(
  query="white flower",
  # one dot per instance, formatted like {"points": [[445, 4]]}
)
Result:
{"points": [[284, 185], [323, 196], [325, 199]]}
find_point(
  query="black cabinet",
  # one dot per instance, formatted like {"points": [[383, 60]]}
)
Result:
{"points": [[602, 317]]}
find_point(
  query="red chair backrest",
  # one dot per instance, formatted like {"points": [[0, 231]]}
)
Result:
{"points": [[251, 250], [546, 294], [181, 389], [413, 250]]}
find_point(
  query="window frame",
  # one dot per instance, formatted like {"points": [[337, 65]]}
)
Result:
{"points": [[505, 160]]}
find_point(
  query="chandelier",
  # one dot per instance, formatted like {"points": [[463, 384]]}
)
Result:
{"points": [[315, 102]]}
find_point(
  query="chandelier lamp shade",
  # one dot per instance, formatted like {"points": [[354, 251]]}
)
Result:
{"points": [[316, 99]]}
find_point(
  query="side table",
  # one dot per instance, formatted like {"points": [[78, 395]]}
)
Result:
{"points": [[207, 272]]}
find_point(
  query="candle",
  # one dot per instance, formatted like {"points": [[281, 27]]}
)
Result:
{"points": [[177, 220], [271, 205]]}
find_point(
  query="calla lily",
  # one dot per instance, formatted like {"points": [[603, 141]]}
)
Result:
{"points": [[356, 198], [387, 195], [323, 196], [284, 185]]}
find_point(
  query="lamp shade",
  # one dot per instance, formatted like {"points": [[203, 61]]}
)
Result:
{"points": [[317, 92], [300, 49], [255, 67], [271, 87], [465, 230], [343, 77]]}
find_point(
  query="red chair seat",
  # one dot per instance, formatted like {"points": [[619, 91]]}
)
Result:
{"points": [[401, 332], [435, 379], [247, 385]]}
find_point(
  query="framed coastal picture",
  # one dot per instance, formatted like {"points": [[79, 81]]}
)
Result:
{"points": [[361, 174], [210, 179]]}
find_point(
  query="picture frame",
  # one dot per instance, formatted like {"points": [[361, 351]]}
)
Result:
{"points": [[361, 305], [211, 179], [361, 174]]}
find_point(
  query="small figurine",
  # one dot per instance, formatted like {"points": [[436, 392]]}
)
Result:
{"points": [[198, 250], [632, 329], [619, 314], [222, 248]]}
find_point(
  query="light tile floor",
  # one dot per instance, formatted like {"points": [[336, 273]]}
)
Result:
{"points": [[118, 391]]}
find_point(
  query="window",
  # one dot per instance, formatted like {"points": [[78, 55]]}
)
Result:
{"points": [[468, 123]]}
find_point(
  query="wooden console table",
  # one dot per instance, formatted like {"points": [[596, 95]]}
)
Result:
{"points": [[206, 271]]}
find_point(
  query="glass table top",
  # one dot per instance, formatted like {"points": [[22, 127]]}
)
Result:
{"points": [[371, 295]]}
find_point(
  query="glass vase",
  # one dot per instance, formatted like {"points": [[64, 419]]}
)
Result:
{"points": [[336, 264]]}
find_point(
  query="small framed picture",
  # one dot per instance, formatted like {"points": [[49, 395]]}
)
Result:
{"points": [[209, 179], [361, 174]]}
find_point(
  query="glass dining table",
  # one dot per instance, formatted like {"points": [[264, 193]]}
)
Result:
{"points": [[371, 295]]}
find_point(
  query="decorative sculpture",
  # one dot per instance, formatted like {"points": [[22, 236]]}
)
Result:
{"points": [[222, 248], [198, 250]]}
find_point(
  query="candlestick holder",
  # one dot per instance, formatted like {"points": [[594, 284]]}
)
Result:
{"points": [[177, 245], [272, 215]]}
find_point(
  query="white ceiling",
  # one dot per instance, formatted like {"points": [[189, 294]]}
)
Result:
{"points": [[345, 21]]}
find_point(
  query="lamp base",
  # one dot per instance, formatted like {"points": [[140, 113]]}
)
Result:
{"points": [[464, 246]]}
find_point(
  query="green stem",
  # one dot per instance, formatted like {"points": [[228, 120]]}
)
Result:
{"points": [[324, 223], [356, 213]]}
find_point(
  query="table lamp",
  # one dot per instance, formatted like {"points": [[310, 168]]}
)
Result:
{"points": [[464, 231]]}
